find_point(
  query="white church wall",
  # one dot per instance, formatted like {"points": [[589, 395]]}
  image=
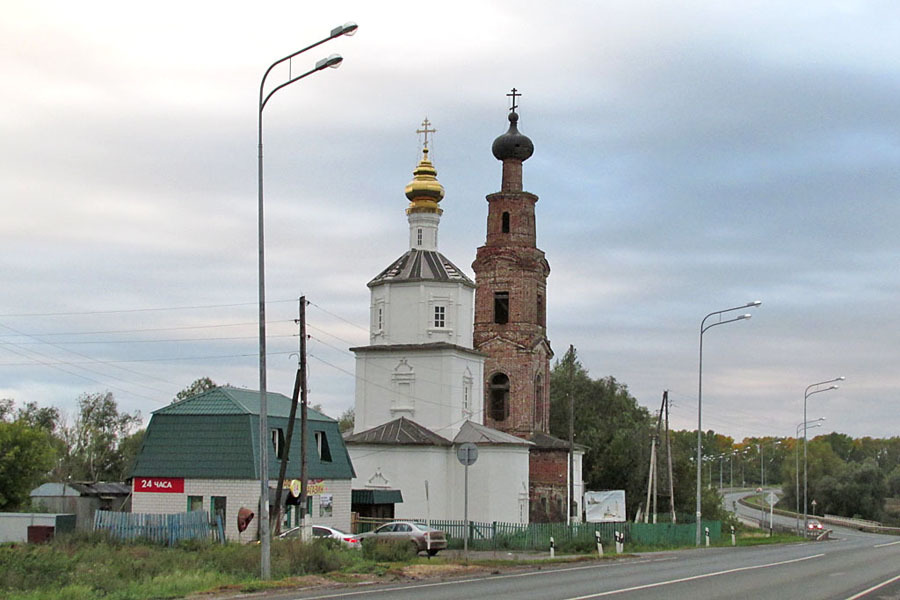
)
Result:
{"points": [[429, 387], [407, 313], [498, 485], [406, 468], [498, 481]]}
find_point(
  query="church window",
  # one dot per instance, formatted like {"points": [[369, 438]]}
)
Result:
{"points": [[541, 311], [379, 319], [501, 307], [538, 403], [440, 316], [322, 446], [419, 236], [505, 223], [499, 397]]}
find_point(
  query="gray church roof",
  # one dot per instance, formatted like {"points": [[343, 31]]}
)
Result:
{"points": [[399, 431], [481, 434], [422, 265]]}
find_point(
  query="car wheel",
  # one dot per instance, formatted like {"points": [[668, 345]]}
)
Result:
{"points": [[415, 548], [432, 552]]}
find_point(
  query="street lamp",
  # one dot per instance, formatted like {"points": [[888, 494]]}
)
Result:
{"points": [[809, 392], [703, 328], [332, 61], [808, 424]]}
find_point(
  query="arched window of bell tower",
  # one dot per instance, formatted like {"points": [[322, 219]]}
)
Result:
{"points": [[538, 403], [498, 403], [504, 226]]}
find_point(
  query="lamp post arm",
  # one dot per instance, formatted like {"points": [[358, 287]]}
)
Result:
{"points": [[263, 101], [336, 32]]}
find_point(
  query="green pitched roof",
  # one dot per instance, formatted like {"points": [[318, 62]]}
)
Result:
{"points": [[236, 401], [215, 435]]}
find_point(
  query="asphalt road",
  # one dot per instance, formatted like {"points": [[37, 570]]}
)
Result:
{"points": [[853, 565]]}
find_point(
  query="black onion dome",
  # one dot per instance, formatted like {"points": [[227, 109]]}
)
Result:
{"points": [[512, 144]]}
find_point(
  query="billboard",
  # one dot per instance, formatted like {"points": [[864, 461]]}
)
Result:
{"points": [[607, 506]]}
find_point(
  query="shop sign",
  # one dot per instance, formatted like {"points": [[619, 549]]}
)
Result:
{"points": [[160, 485]]}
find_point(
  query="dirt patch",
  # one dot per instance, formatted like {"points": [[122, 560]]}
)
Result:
{"points": [[432, 571]]}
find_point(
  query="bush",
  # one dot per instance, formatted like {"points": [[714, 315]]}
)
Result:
{"points": [[293, 557], [388, 550]]}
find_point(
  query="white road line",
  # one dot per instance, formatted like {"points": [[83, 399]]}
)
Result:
{"points": [[874, 587], [888, 544], [488, 578], [694, 578]]}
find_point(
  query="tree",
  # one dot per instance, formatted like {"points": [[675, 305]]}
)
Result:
{"points": [[204, 384], [347, 420], [609, 422], [94, 441], [26, 455]]}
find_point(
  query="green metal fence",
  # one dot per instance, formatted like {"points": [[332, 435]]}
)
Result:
{"points": [[536, 536]]}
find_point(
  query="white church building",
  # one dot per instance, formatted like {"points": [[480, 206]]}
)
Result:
{"points": [[419, 392]]}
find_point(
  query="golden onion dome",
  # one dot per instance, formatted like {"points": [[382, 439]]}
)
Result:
{"points": [[424, 191]]}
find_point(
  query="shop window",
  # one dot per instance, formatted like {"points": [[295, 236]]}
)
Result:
{"points": [[194, 503], [218, 507], [501, 307]]}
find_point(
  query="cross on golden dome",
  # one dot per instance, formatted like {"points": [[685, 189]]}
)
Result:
{"points": [[426, 130]]}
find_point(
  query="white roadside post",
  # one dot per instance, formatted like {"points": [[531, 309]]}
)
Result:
{"points": [[733, 540], [427, 520], [773, 499], [707, 536], [552, 548], [599, 544]]}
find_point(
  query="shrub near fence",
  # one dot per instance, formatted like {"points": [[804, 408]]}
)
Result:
{"points": [[161, 529], [536, 536]]}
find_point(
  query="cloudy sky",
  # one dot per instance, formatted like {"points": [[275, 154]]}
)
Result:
{"points": [[688, 158]]}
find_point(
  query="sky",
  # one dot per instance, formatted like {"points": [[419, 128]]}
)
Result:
{"points": [[689, 157]]}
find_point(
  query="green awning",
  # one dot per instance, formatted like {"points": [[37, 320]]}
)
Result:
{"points": [[376, 497]]}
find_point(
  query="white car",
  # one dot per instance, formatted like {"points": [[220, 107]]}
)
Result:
{"points": [[321, 531]]}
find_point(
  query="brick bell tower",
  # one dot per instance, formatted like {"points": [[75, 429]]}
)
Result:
{"points": [[511, 297]]}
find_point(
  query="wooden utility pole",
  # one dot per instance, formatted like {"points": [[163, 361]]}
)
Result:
{"points": [[304, 402], [669, 457], [299, 382]]}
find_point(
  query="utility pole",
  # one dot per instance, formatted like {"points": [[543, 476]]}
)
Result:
{"points": [[571, 508], [304, 402], [669, 457]]}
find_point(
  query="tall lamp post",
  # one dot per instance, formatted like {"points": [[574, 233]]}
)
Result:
{"points": [[332, 61], [810, 424], [810, 390], [703, 328]]}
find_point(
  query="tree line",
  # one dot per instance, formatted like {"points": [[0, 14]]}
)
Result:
{"points": [[847, 476]]}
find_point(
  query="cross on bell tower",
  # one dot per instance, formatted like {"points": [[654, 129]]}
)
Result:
{"points": [[513, 95]]}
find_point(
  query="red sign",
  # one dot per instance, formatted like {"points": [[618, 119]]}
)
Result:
{"points": [[163, 485]]}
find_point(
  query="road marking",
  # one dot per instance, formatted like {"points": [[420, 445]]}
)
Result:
{"points": [[874, 587], [695, 577], [477, 579], [888, 544]]}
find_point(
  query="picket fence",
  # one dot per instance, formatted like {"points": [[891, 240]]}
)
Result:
{"points": [[536, 536], [161, 529]]}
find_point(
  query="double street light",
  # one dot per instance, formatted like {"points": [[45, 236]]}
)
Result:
{"points": [[332, 61], [810, 390], [703, 328]]}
